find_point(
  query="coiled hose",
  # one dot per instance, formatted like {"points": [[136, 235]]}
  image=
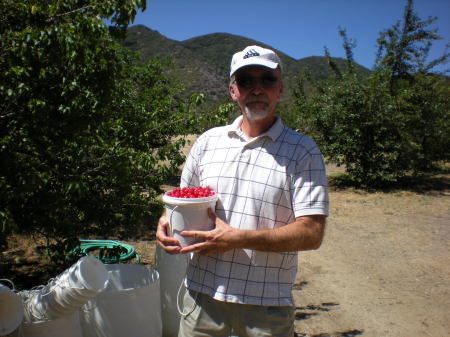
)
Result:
{"points": [[110, 251]]}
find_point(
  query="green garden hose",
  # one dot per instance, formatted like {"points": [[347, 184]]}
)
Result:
{"points": [[109, 251]]}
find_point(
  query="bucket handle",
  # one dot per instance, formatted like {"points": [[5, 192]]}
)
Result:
{"points": [[170, 219]]}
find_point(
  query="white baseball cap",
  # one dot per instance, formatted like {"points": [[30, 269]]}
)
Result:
{"points": [[254, 56]]}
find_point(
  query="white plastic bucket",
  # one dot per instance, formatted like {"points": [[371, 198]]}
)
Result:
{"points": [[69, 291], [188, 214], [129, 306], [11, 310], [172, 270], [68, 326]]}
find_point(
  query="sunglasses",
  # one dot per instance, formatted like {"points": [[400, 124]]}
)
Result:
{"points": [[249, 82]]}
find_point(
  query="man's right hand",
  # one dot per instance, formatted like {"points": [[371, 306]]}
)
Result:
{"points": [[169, 244]]}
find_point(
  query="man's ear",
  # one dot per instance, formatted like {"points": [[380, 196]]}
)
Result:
{"points": [[232, 91], [281, 89]]}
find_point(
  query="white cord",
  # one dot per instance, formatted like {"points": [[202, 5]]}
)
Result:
{"points": [[31, 313], [183, 280], [10, 282], [179, 291]]}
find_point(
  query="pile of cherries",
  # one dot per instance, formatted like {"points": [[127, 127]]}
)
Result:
{"points": [[191, 192]]}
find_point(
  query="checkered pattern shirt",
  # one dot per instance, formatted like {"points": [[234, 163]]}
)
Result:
{"points": [[262, 183]]}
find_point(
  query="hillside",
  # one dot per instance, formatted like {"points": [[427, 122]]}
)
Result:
{"points": [[202, 63], [196, 74]]}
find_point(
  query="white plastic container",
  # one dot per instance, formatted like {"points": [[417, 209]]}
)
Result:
{"points": [[172, 270], [188, 214], [129, 306], [11, 310], [68, 326], [69, 291]]}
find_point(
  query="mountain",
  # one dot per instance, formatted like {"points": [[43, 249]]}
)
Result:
{"points": [[196, 74], [202, 63]]}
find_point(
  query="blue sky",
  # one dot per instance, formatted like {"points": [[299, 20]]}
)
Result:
{"points": [[299, 28]]}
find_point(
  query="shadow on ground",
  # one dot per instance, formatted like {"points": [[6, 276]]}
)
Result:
{"points": [[427, 183], [306, 312], [349, 333]]}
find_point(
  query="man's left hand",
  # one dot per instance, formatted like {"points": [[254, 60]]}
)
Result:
{"points": [[218, 240]]}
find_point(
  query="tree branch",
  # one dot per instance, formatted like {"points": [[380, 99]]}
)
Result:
{"points": [[69, 12]]}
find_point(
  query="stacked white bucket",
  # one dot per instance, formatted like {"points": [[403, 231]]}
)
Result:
{"points": [[89, 299], [182, 214], [53, 309], [69, 291]]}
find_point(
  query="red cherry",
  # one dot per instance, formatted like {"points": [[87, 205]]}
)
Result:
{"points": [[191, 192]]}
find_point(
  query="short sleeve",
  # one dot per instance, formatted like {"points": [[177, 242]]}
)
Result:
{"points": [[310, 190], [190, 174]]}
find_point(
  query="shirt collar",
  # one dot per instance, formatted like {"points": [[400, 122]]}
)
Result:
{"points": [[273, 133]]}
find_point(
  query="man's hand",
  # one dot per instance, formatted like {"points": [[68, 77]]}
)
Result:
{"points": [[169, 244], [218, 240]]}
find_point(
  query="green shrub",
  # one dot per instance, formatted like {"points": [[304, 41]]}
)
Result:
{"points": [[391, 123], [86, 136]]}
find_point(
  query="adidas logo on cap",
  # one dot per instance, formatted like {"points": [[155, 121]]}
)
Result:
{"points": [[251, 53]]}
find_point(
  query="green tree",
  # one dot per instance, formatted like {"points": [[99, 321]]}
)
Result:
{"points": [[404, 48], [86, 137], [393, 122]]}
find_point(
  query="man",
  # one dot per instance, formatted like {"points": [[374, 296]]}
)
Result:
{"points": [[273, 202]]}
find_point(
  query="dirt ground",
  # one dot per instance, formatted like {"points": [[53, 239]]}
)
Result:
{"points": [[383, 269]]}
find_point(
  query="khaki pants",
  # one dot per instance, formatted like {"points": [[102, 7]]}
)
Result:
{"points": [[208, 317]]}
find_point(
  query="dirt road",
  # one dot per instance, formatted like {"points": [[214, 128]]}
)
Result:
{"points": [[383, 268]]}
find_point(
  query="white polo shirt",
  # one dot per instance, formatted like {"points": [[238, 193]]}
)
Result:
{"points": [[262, 183]]}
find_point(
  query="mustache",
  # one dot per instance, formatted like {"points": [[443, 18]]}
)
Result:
{"points": [[259, 98]]}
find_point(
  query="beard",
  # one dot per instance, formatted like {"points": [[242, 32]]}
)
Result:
{"points": [[258, 112]]}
